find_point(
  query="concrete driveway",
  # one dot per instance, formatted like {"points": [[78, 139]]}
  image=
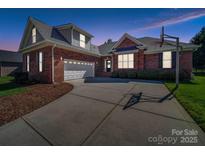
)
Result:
{"points": [[92, 114]]}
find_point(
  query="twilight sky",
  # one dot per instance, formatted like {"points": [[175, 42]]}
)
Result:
{"points": [[104, 23]]}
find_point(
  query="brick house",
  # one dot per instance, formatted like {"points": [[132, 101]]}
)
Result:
{"points": [[64, 52]]}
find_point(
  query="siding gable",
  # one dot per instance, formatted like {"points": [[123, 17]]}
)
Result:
{"points": [[27, 36], [126, 43], [28, 41], [66, 33], [76, 40]]}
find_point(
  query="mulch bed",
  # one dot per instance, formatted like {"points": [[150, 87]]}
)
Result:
{"points": [[36, 96]]}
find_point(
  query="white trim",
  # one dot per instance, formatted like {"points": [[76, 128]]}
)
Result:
{"points": [[40, 61], [82, 40], [165, 59], [172, 50], [59, 45], [28, 63], [34, 34], [24, 33], [127, 61], [53, 64], [126, 52], [105, 65]]}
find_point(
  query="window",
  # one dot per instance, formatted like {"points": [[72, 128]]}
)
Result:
{"points": [[34, 35], [82, 40], [27, 63], [40, 62], [167, 59], [126, 61]]}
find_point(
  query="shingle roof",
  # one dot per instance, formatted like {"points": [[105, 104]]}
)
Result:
{"points": [[47, 32], [152, 45], [106, 48], [51, 33], [75, 27], [10, 56]]}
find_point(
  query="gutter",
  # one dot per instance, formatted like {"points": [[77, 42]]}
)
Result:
{"points": [[171, 49], [53, 70]]}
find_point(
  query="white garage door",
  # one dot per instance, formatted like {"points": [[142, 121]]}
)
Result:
{"points": [[78, 69]]}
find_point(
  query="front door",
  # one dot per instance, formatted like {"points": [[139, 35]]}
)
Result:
{"points": [[108, 65]]}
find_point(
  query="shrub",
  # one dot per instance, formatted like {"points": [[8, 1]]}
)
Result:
{"points": [[21, 77], [184, 75], [148, 74], [123, 74], [166, 75], [132, 74], [199, 73], [115, 74]]}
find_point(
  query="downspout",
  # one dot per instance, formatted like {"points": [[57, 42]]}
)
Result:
{"points": [[53, 73], [112, 63]]}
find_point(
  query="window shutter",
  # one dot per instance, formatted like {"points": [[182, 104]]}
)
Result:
{"points": [[160, 60], [173, 59]]}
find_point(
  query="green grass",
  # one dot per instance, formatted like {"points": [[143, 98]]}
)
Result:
{"points": [[192, 97], [9, 87]]}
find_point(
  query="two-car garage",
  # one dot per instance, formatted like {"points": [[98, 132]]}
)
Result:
{"points": [[74, 69]]}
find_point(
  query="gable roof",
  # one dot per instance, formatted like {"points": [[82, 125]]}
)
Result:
{"points": [[126, 35], [47, 32], [51, 34], [10, 56], [71, 25], [106, 48]]}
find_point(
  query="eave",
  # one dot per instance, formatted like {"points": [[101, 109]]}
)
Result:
{"points": [[46, 43]]}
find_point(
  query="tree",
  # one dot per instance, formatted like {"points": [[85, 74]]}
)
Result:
{"points": [[199, 54]]}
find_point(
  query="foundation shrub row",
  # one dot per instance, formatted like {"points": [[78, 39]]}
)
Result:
{"points": [[150, 74]]}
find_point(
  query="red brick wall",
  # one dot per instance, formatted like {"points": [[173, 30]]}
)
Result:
{"points": [[115, 62], [152, 61], [101, 66], [141, 62], [46, 75], [186, 61], [34, 74]]}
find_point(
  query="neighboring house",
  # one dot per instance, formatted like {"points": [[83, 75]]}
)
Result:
{"points": [[58, 53], [10, 62]]}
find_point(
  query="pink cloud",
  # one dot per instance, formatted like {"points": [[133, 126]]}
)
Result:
{"points": [[173, 20]]}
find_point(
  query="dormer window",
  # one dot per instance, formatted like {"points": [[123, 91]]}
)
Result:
{"points": [[34, 35], [82, 40]]}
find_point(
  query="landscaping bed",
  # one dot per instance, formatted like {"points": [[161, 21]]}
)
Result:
{"points": [[34, 97], [192, 97]]}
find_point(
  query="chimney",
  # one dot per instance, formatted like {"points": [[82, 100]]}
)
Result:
{"points": [[109, 41]]}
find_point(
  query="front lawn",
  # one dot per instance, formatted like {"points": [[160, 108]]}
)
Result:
{"points": [[192, 97], [9, 87]]}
